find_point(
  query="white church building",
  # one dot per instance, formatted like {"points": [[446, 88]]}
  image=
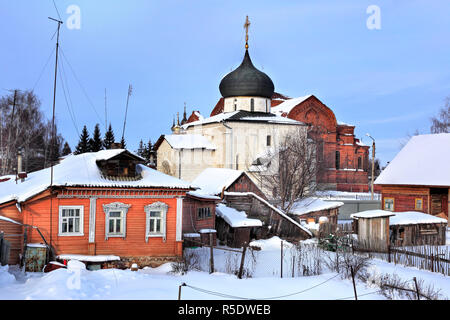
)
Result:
{"points": [[236, 138]]}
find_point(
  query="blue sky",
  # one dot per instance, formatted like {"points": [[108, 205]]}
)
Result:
{"points": [[387, 82]]}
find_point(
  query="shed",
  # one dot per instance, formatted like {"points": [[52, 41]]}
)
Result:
{"points": [[372, 227], [233, 226], [417, 228]]}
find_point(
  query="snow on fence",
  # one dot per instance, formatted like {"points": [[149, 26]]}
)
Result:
{"points": [[433, 258]]}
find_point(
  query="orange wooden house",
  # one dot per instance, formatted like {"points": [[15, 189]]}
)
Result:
{"points": [[418, 178], [101, 204]]}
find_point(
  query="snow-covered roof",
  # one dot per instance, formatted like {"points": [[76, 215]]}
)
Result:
{"points": [[236, 218], [82, 171], [84, 258], [2, 218], [340, 123], [372, 214], [280, 212], [211, 181], [189, 141], [242, 115], [414, 217], [424, 160], [313, 204], [199, 194], [288, 105]]}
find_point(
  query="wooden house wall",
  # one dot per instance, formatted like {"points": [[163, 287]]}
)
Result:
{"points": [[405, 197], [273, 222], [331, 214], [374, 233], [37, 213], [191, 223], [232, 237], [419, 234], [245, 184], [13, 233]]}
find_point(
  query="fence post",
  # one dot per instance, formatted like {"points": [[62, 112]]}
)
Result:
{"points": [[179, 290], [293, 266], [281, 259], [417, 288], [241, 267], [211, 258], [354, 285], [389, 253]]}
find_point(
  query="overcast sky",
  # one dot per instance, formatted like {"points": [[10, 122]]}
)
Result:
{"points": [[387, 81]]}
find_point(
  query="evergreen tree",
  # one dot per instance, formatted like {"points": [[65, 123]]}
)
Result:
{"points": [[66, 149], [96, 143], [83, 145], [109, 138], [123, 143]]}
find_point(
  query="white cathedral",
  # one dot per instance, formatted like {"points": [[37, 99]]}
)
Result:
{"points": [[235, 138]]}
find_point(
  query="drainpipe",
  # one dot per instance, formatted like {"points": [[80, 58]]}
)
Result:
{"points": [[179, 163], [231, 143]]}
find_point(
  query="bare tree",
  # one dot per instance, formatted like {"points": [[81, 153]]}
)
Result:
{"points": [[24, 127], [290, 172], [441, 123]]}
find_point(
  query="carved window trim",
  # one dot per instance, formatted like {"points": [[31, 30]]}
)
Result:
{"points": [[163, 208], [112, 207]]}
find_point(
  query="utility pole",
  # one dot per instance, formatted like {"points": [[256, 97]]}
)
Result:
{"points": [[106, 114], [130, 91], [373, 164], [53, 136]]}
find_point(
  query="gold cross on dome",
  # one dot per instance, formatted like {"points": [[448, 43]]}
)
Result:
{"points": [[246, 27]]}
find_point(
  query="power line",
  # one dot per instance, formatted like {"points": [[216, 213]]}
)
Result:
{"points": [[224, 295], [82, 87], [43, 69]]}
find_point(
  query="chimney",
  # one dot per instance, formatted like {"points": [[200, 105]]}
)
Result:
{"points": [[20, 173], [116, 145]]}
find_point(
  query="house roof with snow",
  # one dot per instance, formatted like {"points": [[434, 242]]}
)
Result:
{"points": [[313, 204], [288, 105], [235, 218], [189, 141], [370, 214], [213, 180], [269, 205], [83, 171], [414, 217], [423, 161]]}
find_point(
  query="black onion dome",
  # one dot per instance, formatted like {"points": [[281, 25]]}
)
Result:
{"points": [[246, 80]]}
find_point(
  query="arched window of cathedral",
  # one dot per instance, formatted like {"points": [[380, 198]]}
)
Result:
{"points": [[359, 163], [252, 105], [338, 160], [267, 106], [235, 104], [269, 141], [237, 162]]}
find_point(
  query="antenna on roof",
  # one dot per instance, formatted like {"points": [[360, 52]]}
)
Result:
{"points": [[130, 91]]}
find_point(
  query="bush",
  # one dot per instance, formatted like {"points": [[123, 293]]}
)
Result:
{"points": [[189, 262]]}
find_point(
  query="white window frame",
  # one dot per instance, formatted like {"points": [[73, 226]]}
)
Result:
{"points": [[161, 207], [71, 234], [115, 207]]}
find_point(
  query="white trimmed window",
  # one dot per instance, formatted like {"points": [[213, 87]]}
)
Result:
{"points": [[71, 220], [156, 215], [115, 219]]}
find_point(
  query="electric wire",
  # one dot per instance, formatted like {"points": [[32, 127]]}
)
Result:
{"points": [[82, 87]]}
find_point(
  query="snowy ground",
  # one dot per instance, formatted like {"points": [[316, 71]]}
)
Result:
{"points": [[159, 283]]}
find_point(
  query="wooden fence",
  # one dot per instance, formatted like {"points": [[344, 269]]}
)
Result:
{"points": [[427, 257]]}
